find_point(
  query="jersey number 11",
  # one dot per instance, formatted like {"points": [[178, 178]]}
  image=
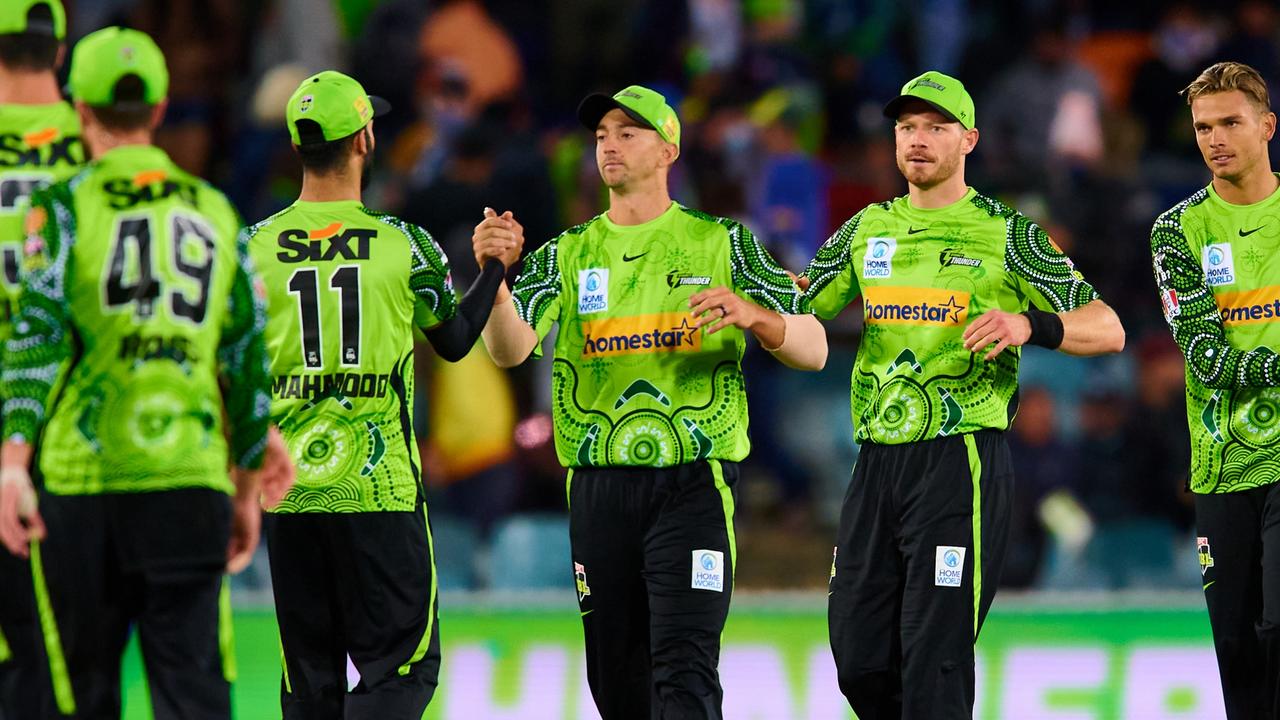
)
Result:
{"points": [[305, 283]]}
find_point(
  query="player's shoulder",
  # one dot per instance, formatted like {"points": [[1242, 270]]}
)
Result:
{"points": [[253, 230], [885, 210], [701, 217], [576, 233], [411, 231], [1172, 218]]}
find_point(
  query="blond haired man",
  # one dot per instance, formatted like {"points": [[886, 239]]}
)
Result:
{"points": [[1213, 256]]}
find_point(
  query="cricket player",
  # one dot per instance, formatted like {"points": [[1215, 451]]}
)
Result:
{"points": [[139, 330], [1214, 260], [953, 283], [653, 301], [352, 560], [39, 144]]}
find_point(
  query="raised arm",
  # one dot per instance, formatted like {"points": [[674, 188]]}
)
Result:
{"points": [[511, 334]]}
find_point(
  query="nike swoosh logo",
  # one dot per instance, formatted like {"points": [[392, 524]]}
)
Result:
{"points": [[629, 258], [588, 612], [1244, 233], [913, 231], [1206, 585]]}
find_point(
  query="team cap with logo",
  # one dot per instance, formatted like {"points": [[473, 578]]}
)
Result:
{"points": [[645, 106], [103, 57], [335, 105], [942, 92]]}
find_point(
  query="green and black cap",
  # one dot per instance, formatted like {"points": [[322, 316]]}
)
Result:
{"points": [[330, 106], [15, 18], [103, 57], [645, 106], [941, 92]]}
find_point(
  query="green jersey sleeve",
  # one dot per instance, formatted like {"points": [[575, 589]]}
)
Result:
{"points": [[537, 291], [434, 299], [757, 276], [832, 282], [242, 353], [1041, 270], [1192, 314], [41, 339]]}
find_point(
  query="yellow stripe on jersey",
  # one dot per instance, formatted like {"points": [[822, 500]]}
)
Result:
{"points": [[915, 306], [1249, 306], [640, 334]]}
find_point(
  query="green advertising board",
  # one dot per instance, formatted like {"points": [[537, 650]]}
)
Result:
{"points": [[1034, 663]]}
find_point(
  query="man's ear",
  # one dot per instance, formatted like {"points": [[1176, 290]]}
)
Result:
{"points": [[157, 113], [969, 142]]}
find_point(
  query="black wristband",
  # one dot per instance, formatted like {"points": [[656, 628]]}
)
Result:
{"points": [[1046, 328]]}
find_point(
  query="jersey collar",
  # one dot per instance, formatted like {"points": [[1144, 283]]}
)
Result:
{"points": [[642, 227]]}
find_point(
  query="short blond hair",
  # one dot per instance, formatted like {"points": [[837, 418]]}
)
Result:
{"points": [[1227, 76]]}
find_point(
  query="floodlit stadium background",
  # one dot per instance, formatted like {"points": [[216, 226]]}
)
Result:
{"points": [[1082, 129]]}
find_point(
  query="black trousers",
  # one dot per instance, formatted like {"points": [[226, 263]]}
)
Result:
{"points": [[653, 558], [24, 671], [1239, 547], [917, 559], [153, 561], [359, 585]]}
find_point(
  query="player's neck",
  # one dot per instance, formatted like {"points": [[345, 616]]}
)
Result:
{"points": [[638, 207], [945, 193], [21, 87], [333, 187], [1253, 188], [101, 142]]}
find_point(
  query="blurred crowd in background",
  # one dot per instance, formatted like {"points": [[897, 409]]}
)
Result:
{"points": [[1082, 129]]}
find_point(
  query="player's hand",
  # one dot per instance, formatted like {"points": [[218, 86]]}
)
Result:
{"points": [[999, 328], [497, 236], [277, 474], [720, 308], [801, 281], [246, 526], [20, 521]]}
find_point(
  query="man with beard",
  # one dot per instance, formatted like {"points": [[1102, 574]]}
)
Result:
{"points": [[1213, 259], [653, 301], [352, 563], [953, 283]]}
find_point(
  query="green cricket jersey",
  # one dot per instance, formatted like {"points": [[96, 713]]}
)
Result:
{"points": [[136, 300], [346, 286], [632, 382], [1218, 274], [39, 145], [923, 274]]}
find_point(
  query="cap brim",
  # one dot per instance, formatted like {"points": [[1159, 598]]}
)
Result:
{"points": [[596, 106], [894, 108], [380, 106]]}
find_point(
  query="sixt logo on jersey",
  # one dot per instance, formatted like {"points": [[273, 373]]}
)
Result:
{"points": [[640, 334], [43, 148], [1250, 306], [148, 186], [326, 243], [915, 306]]}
